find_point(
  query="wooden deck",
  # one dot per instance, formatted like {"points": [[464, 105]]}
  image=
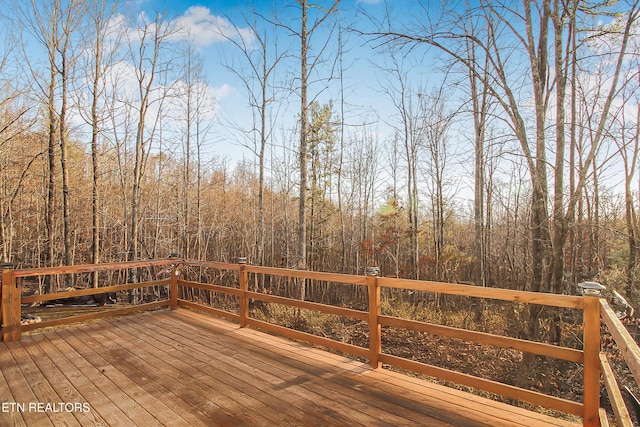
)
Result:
{"points": [[181, 368]]}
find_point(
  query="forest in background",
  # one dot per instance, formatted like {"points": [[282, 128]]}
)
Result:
{"points": [[106, 153]]}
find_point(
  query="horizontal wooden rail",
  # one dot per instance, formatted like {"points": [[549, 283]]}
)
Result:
{"points": [[553, 300], [626, 344], [487, 339], [486, 385], [96, 315], [615, 396], [313, 275], [90, 268], [207, 309], [210, 287], [327, 309], [12, 300], [309, 338], [213, 264], [631, 354], [92, 291]]}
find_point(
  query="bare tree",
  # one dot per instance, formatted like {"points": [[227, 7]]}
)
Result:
{"points": [[53, 24], [144, 52], [308, 64], [434, 123], [542, 40], [69, 24], [97, 37], [407, 103], [14, 122], [261, 56], [479, 97], [41, 20]]}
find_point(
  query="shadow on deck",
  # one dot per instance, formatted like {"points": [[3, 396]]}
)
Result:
{"points": [[184, 368]]}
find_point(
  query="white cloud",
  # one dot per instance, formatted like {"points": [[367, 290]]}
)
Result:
{"points": [[205, 29]]}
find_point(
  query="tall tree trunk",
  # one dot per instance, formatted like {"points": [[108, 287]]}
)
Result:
{"points": [[302, 153], [95, 164]]}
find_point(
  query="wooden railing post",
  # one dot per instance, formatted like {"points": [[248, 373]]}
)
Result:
{"points": [[375, 344], [173, 288], [11, 311], [244, 287], [591, 361]]}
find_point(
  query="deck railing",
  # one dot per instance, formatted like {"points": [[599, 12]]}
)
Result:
{"points": [[589, 355]]}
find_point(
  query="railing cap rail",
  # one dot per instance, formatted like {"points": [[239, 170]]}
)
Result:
{"points": [[89, 268]]}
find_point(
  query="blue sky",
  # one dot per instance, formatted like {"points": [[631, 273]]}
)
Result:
{"points": [[368, 107], [205, 18]]}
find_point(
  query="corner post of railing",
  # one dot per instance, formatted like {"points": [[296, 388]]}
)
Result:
{"points": [[11, 310], [244, 288], [173, 288], [591, 402], [375, 344]]}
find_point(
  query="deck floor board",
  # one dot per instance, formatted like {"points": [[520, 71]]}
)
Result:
{"points": [[136, 383], [183, 368], [21, 390], [294, 374], [303, 388]]}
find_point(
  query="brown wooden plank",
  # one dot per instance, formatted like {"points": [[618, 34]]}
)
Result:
{"points": [[310, 338], [486, 339], [591, 338], [233, 372], [311, 383], [21, 390], [213, 264], [152, 376], [225, 380], [92, 291], [8, 416], [615, 397], [626, 344], [96, 315], [243, 309], [322, 357], [536, 398], [89, 268], [210, 310], [477, 408], [324, 308], [240, 374], [486, 408], [375, 329], [383, 405], [44, 393], [59, 382], [173, 290], [153, 410], [189, 388], [313, 275], [95, 385], [11, 310], [304, 383], [170, 352], [553, 300], [210, 287]]}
